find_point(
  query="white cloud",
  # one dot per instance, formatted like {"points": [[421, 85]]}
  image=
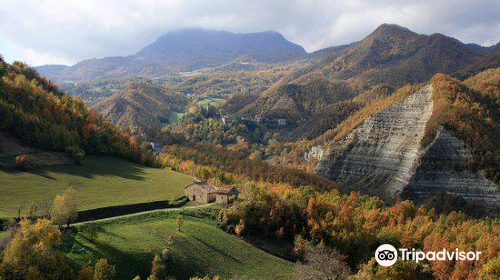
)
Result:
{"points": [[54, 31]]}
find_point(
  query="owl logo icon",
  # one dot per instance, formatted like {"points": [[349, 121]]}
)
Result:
{"points": [[386, 255]]}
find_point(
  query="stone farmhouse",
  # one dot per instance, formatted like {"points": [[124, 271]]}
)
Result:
{"points": [[226, 194], [202, 192]]}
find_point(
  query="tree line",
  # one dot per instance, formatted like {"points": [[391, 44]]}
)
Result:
{"points": [[355, 225], [216, 157]]}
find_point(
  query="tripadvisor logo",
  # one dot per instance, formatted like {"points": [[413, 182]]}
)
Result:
{"points": [[387, 255]]}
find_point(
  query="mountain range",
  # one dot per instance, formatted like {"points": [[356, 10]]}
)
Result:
{"points": [[376, 116], [182, 50], [390, 57]]}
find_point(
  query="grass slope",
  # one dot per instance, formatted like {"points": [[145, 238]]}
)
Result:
{"points": [[210, 101], [174, 117], [101, 181], [200, 249]]}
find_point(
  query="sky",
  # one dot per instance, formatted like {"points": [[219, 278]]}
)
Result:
{"points": [[67, 31]]}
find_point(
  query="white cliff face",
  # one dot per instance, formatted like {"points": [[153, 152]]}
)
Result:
{"points": [[381, 153], [383, 156]]}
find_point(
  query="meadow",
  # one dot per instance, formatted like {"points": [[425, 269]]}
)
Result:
{"points": [[99, 182], [210, 101], [199, 249]]}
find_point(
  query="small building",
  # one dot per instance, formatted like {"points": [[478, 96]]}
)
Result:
{"points": [[281, 122], [201, 192], [226, 194], [258, 119]]}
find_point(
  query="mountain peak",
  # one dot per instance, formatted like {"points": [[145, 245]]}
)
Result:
{"points": [[391, 30], [195, 44]]}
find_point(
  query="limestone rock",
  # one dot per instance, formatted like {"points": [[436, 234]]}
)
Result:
{"points": [[383, 156]]}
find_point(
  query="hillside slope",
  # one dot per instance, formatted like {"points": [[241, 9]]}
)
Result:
{"points": [[199, 249], [100, 182], [36, 112], [347, 77], [298, 102], [395, 55], [141, 106]]}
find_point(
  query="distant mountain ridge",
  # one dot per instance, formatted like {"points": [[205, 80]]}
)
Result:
{"points": [[391, 55], [319, 97], [50, 69], [188, 45], [396, 55], [182, 50]]}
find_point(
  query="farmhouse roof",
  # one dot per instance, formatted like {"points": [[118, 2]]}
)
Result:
{"points": [[225, 189], [204, 186]]}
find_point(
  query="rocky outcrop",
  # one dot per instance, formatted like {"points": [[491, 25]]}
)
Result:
{"points": [[379, 156], [316, 152], [383, 156], [447, 166]]}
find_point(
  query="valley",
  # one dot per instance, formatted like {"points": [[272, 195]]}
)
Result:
{"points": [[324, 112]]}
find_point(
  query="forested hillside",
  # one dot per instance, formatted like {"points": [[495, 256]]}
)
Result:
{"points": [[472, 110], [389, 58], [394, 54], [141, 106], [34, 110]]}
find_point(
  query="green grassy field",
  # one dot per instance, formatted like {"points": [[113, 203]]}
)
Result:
{"points": [[200, 249], [100, 181], [216, 102], [174, 117]]}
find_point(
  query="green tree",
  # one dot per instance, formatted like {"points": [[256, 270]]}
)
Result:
{"points": [[76, 153], [65, 208], [92, 230]]}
